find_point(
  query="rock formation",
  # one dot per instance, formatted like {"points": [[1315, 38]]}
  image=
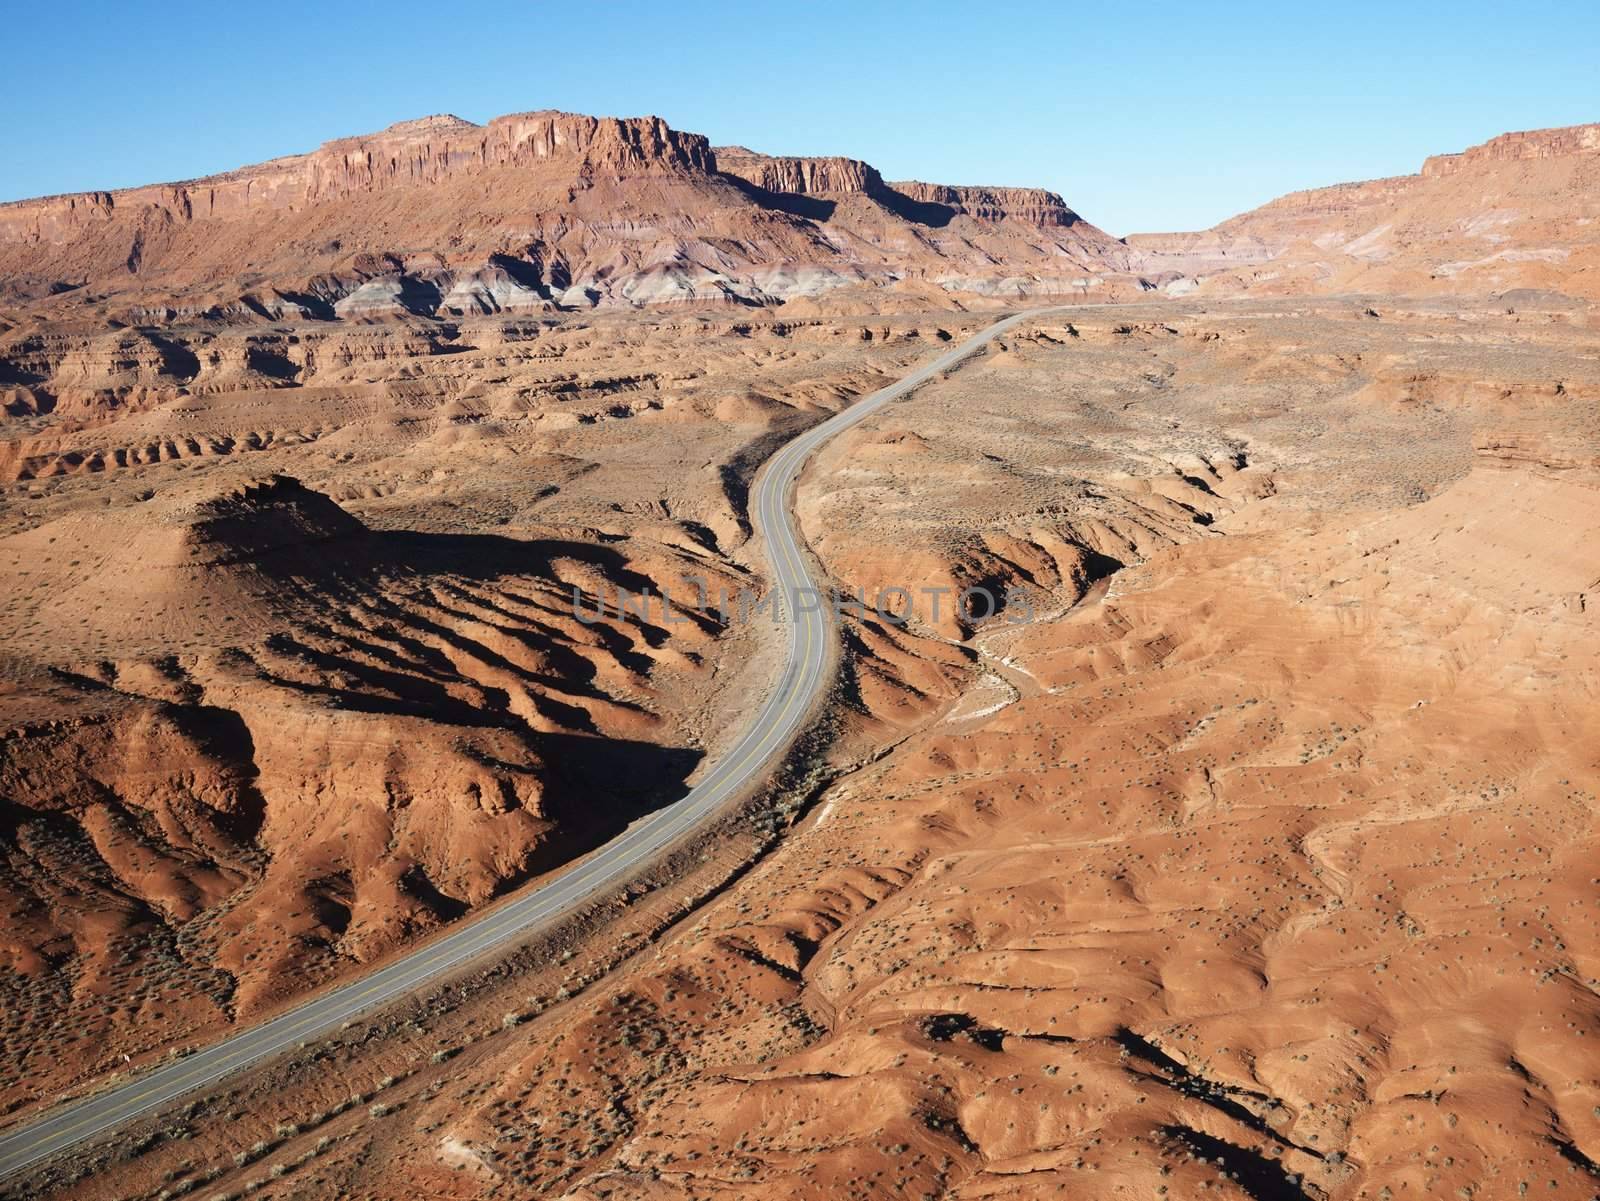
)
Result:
{"points": [[531, 210], [1520, 211], [812, 176], [1257, 856]]}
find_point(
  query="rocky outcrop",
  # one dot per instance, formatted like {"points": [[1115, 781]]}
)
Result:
{"points": [[1517, 212], [1538, 449], [444, 218], [808, 176], [493, 289], [1523, 145], [1035, 206], [408, 154], [832, 175], [255, 518], [1336, 198]]}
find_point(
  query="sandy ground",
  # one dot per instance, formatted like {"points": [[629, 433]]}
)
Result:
{"points": [[1258, 863], [293, 675]]}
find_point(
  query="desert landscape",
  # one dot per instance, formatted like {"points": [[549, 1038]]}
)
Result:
{"points": [[1246, 849]]}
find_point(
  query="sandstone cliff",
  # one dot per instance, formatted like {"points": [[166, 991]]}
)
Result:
{"points": [[812, 176], [1518, 211], [406, 154], [1527, 144], [1032, 205], [534, 210], [820, 176]]}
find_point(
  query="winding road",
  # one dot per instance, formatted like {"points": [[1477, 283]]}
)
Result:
{"points": [[782, 716]]}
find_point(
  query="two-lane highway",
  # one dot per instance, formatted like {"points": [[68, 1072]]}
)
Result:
{"points": [[776, 724]]}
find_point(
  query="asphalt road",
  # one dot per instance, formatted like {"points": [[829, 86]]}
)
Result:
{"points": [[776, 724]]}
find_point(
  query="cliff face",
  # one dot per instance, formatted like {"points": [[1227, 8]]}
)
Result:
{"points": [[410, 153], [1518, 211], [807, 176], [1336, 198], [1032, 205], [441, 217], [1509, 147], [822, 176]]}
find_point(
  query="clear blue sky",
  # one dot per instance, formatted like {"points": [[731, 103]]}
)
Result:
{"points": [[1146, 116]]}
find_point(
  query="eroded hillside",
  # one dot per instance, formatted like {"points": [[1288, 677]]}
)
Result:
{"points": [[531, 212], [1257, 862], [298, 671], [1519, 213]]}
